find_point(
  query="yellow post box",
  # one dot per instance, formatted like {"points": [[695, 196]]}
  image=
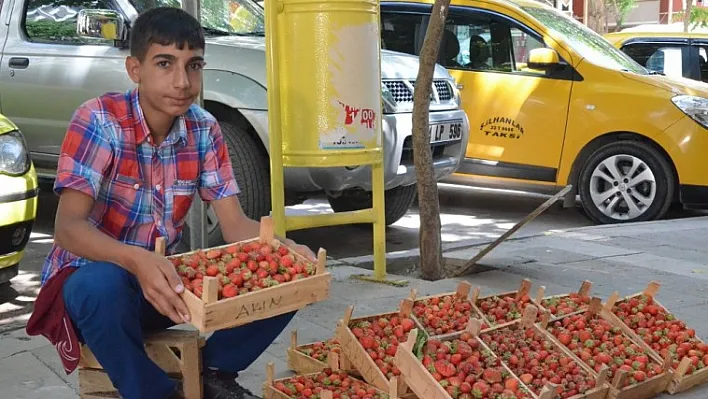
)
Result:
{"points": [[324, 102]]}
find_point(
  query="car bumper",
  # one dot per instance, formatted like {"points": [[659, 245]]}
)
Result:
{"points": [[18, 210], [399, 169], [693, 196]]}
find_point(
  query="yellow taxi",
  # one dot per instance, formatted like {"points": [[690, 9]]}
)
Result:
{"points": [[551, 103], [676, 54], [18, 198]]}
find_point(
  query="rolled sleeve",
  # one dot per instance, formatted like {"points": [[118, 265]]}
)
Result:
{"points": [[85, 154], [216, 180]]}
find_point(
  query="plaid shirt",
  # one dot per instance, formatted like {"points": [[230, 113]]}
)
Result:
{"points": [[141, 190]]}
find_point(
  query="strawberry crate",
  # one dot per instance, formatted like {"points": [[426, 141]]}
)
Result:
{"points": [[313, 357], [329, 383], [361, 343], [513, 304], [272, 279], [595, 339], [447, 313], [516, 342], [482, 368], [688, 352], [565, 304]]}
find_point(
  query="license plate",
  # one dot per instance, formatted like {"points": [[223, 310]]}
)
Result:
{"points": [[448, 131]]}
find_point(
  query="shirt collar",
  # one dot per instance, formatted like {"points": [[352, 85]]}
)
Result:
{"points": [[178, 132]]}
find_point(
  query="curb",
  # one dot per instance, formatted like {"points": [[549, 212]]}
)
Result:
{"points": [[403, 260]]}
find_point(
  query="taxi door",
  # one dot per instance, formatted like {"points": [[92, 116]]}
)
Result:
{"points": [[517, 115]]}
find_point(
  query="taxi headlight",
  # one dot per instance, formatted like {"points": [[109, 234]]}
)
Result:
{"points": [[14, 158]]}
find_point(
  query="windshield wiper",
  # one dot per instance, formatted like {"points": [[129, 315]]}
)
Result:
{"points": [[252, 33], [216, 32], [656, 73]]}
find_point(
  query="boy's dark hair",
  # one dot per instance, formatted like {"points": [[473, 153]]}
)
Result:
{"points": [[165, 26]]}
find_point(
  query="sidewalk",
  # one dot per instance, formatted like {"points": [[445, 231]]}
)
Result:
{"points": [[623, 258]]}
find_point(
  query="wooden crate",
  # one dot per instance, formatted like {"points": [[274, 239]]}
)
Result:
{"points": [[462, 292], [601, 389], [356, 354], [524, 289], [424, 385], [679, 380], [647, 389], [584, 292], [184, 366], [270, 392], [209, 313], [301, 363]]}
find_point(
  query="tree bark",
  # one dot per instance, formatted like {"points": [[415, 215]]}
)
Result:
{"points": [[687, 15], [431, 266]]}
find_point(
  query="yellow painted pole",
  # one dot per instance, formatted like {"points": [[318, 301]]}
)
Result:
{"points": [[377, 201], [275, 133]]}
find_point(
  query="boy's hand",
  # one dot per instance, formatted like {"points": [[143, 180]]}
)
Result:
{"points": [[161, 285], [303, 250]]}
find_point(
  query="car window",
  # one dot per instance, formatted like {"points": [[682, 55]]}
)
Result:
{"points": [[474, 42], [662, 58], [703, 61], [54, 21], [221, 17]]}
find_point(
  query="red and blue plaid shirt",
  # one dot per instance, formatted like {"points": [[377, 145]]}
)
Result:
{"points": [[141, 190]]}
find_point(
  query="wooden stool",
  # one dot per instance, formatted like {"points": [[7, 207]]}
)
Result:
{"points": [[185, 366]]}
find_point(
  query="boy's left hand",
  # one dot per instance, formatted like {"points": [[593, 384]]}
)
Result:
{"points": [[303, 250]]}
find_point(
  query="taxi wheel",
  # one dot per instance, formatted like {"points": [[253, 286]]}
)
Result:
{"points": [[398, 200], [626, 181]]}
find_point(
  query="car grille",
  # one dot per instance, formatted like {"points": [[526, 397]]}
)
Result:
{"points": [[403, 94], [20, 231], [437, 150]]}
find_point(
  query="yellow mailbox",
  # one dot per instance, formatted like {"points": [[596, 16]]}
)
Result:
{"points": [[324, 101]]}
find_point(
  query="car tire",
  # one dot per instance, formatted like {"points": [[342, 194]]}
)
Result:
{"points": [[611, 195], [252, 171], [398, 201]]}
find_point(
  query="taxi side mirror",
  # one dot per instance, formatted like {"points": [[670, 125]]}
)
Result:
{"points": [[543, 58]]}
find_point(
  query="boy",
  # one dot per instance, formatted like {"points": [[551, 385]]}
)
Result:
{"points": [[129, 167]]}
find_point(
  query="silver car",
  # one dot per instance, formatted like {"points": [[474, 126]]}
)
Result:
{"points": [[47, 70]]}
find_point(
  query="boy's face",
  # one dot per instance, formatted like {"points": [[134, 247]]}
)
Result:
{"points": [[169, 78]]}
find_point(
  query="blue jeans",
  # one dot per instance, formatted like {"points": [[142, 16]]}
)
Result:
{"points": [[110, 313]]}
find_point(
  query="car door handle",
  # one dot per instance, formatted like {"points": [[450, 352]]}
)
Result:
{"points": [[19, 62]]}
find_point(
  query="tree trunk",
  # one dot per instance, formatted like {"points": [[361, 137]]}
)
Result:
{"points": [[429, 235], [687, 15]]}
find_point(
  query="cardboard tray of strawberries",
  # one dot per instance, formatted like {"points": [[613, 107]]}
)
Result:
{"points": [[662, 334], [236, 284], [594, 338], [313, 357], [526, 349], [458, 366], [447, 313], [565, 304], [329, 383], [370, 343], [506, 307]]}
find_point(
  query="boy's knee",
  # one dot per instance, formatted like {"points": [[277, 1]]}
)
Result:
{"points": [[98, 287]]}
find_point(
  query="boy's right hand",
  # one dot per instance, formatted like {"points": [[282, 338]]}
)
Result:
{"points": [[161, 285]]}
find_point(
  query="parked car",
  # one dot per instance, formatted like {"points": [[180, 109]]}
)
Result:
{"points": [[50, 66], [18, 198], [553, 103], [675, 54]]}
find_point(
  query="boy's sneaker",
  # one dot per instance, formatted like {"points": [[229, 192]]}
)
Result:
{"points": [[222, 385]]}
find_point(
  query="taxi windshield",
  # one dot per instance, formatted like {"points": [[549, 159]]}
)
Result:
{"points": [[219, 17], [587, 43]]}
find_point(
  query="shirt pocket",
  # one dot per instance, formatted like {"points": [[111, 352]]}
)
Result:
{"points": [[126, 195], [182, 193]]}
